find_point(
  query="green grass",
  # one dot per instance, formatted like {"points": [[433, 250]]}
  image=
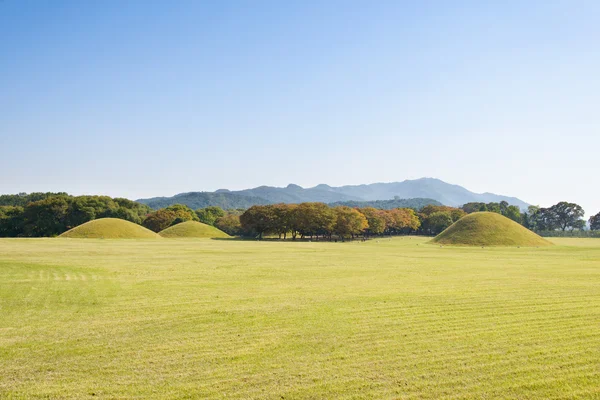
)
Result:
{"points": [[489, 229], [384, 319], [110, 228], [193, 229]]}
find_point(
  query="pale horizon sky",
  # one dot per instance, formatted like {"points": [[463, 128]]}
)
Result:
{"points": [[153, 98]]}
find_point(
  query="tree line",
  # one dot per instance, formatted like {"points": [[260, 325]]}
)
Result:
{"points": [[50, 214], [320, 221]]}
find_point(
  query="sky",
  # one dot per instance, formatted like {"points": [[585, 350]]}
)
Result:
{"points": [[152, 98]]}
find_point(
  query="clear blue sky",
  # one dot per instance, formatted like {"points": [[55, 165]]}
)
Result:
{"points": [[147, 98]]}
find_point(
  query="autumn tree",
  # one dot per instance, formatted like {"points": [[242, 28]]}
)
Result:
{"points": [[182, 213], [349, 222], [159, 220], [376, 220], [314, 219], [402, 220]]}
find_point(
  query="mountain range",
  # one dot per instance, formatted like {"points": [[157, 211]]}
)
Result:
{"points": [[422, 190]]}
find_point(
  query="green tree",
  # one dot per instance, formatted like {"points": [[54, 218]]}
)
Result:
{"points": [[46, 217], [514, 213], [283, 219], [437, 221], [12, 221], [229, 224], [79, 212], [595, 222], [257, 220], [209, 215], [567, 214], [474, 207]]}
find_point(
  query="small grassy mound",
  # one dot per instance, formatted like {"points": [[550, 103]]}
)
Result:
{"points": [[110, 228], [489, 229], [192, 229]]}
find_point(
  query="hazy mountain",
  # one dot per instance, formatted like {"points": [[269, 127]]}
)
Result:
{"points": [[296, 194], [445, 193], [424, 188]]}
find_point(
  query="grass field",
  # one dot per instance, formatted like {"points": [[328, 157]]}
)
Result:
{"points": [[120, 319]]}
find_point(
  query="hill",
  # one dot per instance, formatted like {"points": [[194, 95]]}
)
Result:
{"points": [[297, 194], [431, 188], [192, 229], [415, 204], [426, 188], [488, 229], [110, 228], [224, 199]]}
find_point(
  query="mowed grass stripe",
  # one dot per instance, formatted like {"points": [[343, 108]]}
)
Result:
{"points": [[265, 320]]}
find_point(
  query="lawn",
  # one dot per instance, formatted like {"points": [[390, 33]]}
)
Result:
{"points": [[388, 318]]}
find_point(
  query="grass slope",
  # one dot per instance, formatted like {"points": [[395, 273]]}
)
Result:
{"points": [[192, 229], [173, 319], [489, 229], [110, 228]]}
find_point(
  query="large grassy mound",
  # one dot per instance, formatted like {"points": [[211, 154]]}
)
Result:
{"points": [[193, 229], [489, 229], [110, 228]]}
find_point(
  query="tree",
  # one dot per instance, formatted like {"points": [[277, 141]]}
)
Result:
{"points": [[229, 224], [595, 222], [283, 219], [159, 220], [209, 215], [182, 213], [46, 217], [546, 220], [131, 210], [514, 213], [376, 220], [474, 207], [11, 221], [50, 214], [79, 212], [567, 214], [436, 222], [314, 219], [349, 222], [257, 220], [402, 220]]}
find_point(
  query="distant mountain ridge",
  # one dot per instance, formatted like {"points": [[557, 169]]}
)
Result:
{"points": [[195, 200], [423, 188]]}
